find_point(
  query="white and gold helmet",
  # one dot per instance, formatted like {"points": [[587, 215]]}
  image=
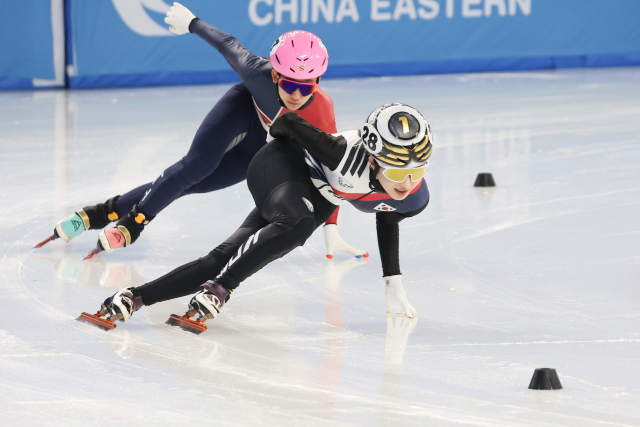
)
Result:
{"points": [[397, 136]]}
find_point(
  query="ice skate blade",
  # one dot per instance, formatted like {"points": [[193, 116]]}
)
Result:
{"points": [[97, 250], [45, 241], [95, 320], [183, 322]]}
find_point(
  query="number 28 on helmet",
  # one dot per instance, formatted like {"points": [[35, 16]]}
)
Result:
{"points": [[399, 139]]}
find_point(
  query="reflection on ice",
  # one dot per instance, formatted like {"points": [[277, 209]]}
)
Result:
{"points": [[540, 271], [111, 275]]}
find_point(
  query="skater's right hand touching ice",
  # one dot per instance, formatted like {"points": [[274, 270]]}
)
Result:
{"points": [[396, 297], [179, 19]]}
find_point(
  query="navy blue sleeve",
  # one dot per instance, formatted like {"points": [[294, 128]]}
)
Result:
{"points": [[239, 57]]}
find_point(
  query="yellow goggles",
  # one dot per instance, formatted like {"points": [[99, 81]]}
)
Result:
{"points": [[399, 175]]}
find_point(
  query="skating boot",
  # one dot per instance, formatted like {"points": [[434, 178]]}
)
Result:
{"points": [[88, 218], [206, 304], [124, 234], [120, 306]]}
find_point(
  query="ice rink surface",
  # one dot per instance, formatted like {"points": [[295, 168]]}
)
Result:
{"points": [[542, 271]]}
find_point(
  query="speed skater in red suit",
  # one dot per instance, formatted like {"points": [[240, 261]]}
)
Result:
{"points": [[229, 136]]}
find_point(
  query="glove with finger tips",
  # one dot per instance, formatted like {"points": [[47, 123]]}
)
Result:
{"points": [[397, 298], [334, 242], [179, 19]]}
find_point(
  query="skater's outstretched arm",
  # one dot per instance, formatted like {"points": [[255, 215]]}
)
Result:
{"points": [[241, 59], [387, 227], [388, 230], [243, 62]]}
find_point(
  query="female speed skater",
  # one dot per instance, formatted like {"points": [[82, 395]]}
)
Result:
{"points": [[297, 181], [228, 138]]}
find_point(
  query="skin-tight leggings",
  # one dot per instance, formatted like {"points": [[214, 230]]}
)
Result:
{"points": [[288, 209]]}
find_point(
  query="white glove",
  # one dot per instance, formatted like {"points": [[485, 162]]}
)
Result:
{"points": [[397, 298], [179, 18], [335, 242]]}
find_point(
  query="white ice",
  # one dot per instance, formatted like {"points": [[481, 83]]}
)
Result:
{"points": [[542, 271]]}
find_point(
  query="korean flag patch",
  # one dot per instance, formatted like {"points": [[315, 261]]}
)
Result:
{"points": [[383, 207]]}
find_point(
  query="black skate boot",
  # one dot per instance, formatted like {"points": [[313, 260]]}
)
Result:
{"points": [[124, 234], [93, 217]]}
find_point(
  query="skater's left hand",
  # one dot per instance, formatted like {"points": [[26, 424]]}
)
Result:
{"points": [[335, 242], [179, 19], [396, 297]]}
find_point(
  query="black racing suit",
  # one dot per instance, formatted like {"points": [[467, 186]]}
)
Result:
{"points": [[289, 207]]}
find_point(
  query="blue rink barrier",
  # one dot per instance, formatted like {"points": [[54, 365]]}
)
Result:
{"points": [[116, 43], [373, 70], [32, 40]]}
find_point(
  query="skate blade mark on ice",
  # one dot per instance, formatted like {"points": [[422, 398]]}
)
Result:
{"points": [[184, 322], [106, 324]]}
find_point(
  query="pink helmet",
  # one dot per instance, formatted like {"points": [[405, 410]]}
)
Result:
{"points": [[299, 55]]}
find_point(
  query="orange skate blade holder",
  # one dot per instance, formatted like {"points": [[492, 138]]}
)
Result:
{"points": [[97, 320], [185, 322]]}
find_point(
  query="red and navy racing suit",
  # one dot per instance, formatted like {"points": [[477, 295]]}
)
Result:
{"points": [[231, 134], [297, 181]]}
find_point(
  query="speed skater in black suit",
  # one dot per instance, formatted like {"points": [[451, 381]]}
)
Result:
{"points": [[297, 181]]}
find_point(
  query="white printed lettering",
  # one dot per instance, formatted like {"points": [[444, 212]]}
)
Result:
{"points": [[291, 8], [304, 11], [490, 4], [316, 10], [253, 13], [468, 12], [320, 6], [449, 8], [347, 8], [431, 4], [376, 15], [525, 6], [404, 7]]}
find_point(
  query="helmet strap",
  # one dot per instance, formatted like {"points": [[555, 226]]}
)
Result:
{"points": [[374, 183]]}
